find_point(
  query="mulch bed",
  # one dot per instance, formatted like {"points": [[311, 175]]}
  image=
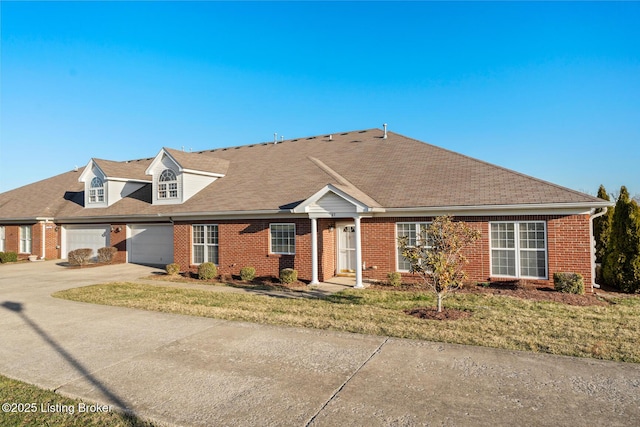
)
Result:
{"points": [[431, 313], [529, 291], [259, 283]]}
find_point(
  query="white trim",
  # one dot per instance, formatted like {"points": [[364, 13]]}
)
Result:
{"points": [[294, 239], [2, 238], [205, 245], [339, 225], [129, 180], [359, 283], [517, 250], [415, 223], [496, 210], [303, 207], [197, 172], [29, 240], [314, 251]]}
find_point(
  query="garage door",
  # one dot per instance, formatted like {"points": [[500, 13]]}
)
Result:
{"points": [[151, 244], [86, 236]]}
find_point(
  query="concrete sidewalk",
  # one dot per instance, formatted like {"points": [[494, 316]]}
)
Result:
{"points": [[191, 371]]}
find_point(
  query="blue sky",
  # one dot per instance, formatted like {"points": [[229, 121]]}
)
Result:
{"points": [[548, 89]]}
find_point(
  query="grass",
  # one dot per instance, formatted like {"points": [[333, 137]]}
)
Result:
{"points": [[604, 332], [45, 408]]}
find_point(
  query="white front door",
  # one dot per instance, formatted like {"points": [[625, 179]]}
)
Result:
{"points": [[346, 248]]}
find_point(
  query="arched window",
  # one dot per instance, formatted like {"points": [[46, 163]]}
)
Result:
{"points": [[96, 191], [167, 185]]}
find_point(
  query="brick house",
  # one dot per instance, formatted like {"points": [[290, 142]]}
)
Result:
{"points": [[324, 205]]}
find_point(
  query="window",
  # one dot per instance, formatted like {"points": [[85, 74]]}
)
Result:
{"points": [[519, 249], [25, 239], [96, 190], [414, 232], [1, 239], [205, 244], [167, 185], [283, 238]]}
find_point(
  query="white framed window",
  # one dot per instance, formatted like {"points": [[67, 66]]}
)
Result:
{"points": [[283, 238], [205, 243], [168, 185], [25, 239], [414, 233], [96, 190], [519, 249], [1, 238]]}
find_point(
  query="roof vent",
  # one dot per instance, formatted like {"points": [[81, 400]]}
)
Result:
{"points": [[385, 131], [275, 137], [330, 137]]}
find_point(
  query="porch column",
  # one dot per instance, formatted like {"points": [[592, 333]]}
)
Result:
{"points": [[358, 254], [314, 251]]}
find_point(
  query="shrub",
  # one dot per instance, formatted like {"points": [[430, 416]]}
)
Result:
{"points": [[288, 275], [80, 256], [106, 254], [207, 271], [621, 265], [173, 269], [8, 257], [394, 278], [568, 283], [247, 273]]}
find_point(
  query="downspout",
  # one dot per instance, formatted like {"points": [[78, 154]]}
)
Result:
{"points": [[593, 246]]}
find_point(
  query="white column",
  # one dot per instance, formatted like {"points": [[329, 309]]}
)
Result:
{"points": [[42, 240], [358, 254], [314, 251]]}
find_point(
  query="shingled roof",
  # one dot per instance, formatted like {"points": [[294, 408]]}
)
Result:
{"points": [[396, 172], [124, 170]]}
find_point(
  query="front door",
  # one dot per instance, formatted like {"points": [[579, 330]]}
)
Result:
{"points": [[346, 248]]}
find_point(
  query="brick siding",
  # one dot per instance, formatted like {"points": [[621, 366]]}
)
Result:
{"points": [[247, 243]]}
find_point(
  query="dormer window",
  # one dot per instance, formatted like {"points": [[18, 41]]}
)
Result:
{"points": [[96, 191], [168, 185]]}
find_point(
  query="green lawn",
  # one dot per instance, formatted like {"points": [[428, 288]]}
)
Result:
{"points": [[27, 405], [605, 332]]}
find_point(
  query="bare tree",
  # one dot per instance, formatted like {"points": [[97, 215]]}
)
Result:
{"points": [[437, 255]]}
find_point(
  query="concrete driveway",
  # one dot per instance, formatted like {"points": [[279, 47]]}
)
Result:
{"points": [[203, 372]]}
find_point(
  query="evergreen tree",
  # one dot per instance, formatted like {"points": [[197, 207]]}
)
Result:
{"points": [[622, 260], [602, 227]]}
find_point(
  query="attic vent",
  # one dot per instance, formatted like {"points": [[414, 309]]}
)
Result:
{"points": [[346, 133], [362, 131], [313, 137], [293, 140], [330, 137], [385, 131]]}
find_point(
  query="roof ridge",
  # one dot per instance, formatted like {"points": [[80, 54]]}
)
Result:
{"points": [[493, 165], [342, 181]]}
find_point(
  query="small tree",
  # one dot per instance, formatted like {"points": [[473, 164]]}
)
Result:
{"points": [[437, 256], [602, 227], [622, 260]]}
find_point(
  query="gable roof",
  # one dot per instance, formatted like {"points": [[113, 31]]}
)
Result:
{"points": [[397, 172], [194, 162], [131, 170]]}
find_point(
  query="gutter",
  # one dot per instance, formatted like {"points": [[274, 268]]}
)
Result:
{"points": [[529, 206], [593, 246]]}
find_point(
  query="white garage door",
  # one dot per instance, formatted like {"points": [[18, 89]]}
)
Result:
{"points": [[86, 236], [151, 244]]}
